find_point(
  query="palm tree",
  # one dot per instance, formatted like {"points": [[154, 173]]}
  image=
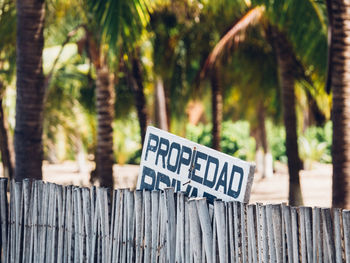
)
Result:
{"points": [[271, 17], [134, 74], [217, 105], [338, 77], [30, 89], [285, 61], [112, 19]]}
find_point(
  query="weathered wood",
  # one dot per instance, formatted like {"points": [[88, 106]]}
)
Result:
{"points": [[288, 229], [230, 232], [115, 225], [277, 231], [265, 245], [252, 232], [131, 226], [155, 225], [148, 226], [26, 219], [188, 250], [270, 234], [171, 223], [76, 215], [244, 245], [307, 218], [52, 225], [162, 229], [61, 201], [205, 223], [294, 216], [3, 217], [303, 249], [219, 210], [195, 232], [123, 249], [337, 235], [33, 251], [237, 229], [45, 222], [328, 233], [346, 230], [18, 221], [180, 227], [68, 226], [43, 216]]}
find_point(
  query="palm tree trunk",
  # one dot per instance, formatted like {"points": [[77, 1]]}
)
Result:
{"points": [[30, 89], [217, 105], [161, 112], [267, 161], [262, 128], [284, 54], [105, 96], [7, 154], [341, 102], [139, 96]]}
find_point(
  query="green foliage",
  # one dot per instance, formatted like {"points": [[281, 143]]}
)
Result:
{"points": [[235, 141], [276, 137], [127, 143], [200, 133], [119, 18], [315, 144]]}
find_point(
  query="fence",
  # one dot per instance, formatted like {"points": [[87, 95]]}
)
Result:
{"points": [[45, 222]]}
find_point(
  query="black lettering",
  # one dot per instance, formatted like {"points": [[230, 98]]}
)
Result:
{"points": [[188, 190], [194, 192], [150, 173], [162, 152], [177, 147], [210, 198], [222, 179], [162, 178], [206, 181], [197, 166], [176, 185], [151, 147], [183, 160], [235, 170]]}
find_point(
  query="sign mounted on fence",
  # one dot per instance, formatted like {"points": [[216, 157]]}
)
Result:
{"points": [[171, 161]]}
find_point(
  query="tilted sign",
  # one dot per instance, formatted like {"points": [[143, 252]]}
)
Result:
{"points": [[171, 161]]}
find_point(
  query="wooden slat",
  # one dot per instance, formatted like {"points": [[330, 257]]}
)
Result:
{"points": [[3, 217], [195, 232], [205, 223], [346, 230], [251, 226], [180, 227], [328, 233], [337, 235], [148, 226], [155, 225], [171, 223], [45, 222]]}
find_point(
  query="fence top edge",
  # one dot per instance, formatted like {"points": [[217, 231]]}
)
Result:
{"points": [[93, 187]]}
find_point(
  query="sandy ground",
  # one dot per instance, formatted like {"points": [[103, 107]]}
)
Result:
{"points": [[316, 183]]}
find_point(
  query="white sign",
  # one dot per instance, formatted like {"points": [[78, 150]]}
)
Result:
{"points": [[171, 161]]}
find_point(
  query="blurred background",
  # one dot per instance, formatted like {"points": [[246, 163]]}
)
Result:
{"points": [[244, 77]]}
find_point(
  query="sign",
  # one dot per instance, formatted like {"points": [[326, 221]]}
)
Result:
{"points": [[171, 161]]}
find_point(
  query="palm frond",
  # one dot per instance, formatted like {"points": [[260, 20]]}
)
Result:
{"points": [[118, 18], [234, 36]]}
